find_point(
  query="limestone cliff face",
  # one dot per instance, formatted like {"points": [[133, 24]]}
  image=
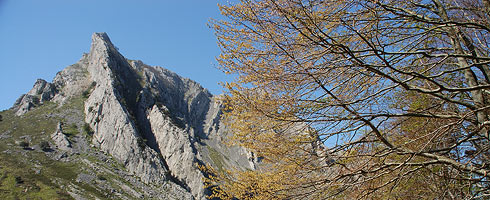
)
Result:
{"points": [[108, 112], [157, 124]]}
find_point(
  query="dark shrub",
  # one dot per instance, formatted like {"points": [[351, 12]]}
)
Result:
{"points": [[44, 145], [101, 177], [19, 180], [87, 129], [24, 144]]}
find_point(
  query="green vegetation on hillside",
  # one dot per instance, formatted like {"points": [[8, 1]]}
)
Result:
{"points": [[28, 173], [34, 172]]}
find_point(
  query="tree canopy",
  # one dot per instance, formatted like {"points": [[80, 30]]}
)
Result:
{"points": [[367, 99]]}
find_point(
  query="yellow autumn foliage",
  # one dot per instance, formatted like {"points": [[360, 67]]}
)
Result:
{"points": [[356, 99]]}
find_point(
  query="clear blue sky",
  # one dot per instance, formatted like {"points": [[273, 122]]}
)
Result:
{"points": [[38, 38]]}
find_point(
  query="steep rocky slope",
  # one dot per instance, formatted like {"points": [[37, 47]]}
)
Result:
{"points": [[149, 123]]}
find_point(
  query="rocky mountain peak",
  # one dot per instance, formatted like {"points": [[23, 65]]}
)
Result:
{"points": [[101, 36], [101, 41], [157, 124]]}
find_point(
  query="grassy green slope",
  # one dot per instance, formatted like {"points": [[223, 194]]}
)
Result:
{"points": [[31, 173]]}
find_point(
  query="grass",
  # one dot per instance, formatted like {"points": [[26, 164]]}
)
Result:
{"points": [[217, 158], [22, 183], [36, 123], [19, 179], [71, 130], [141, 78], [41, 121], [94, 191]]}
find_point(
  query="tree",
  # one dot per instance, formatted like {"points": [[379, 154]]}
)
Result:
{"points": [[358, 99]]}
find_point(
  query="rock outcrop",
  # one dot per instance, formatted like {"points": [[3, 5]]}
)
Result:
{"points": [[60, 139], [41, 92], [159, 125]]}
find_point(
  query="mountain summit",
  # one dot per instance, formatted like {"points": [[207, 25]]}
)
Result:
{"points": [[149, 121]]}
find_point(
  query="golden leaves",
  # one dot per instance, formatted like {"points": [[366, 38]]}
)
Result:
{"points": [[379, 82]]}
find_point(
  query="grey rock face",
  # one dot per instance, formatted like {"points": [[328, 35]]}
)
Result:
{"points": [[159, 125], [60, 139], [107, 113], [176, 148], [24, 104], [184, 125], [41, 91], [72, 81]]}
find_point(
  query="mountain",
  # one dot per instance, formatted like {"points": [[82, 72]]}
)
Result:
{"points": [[109, 127]]}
